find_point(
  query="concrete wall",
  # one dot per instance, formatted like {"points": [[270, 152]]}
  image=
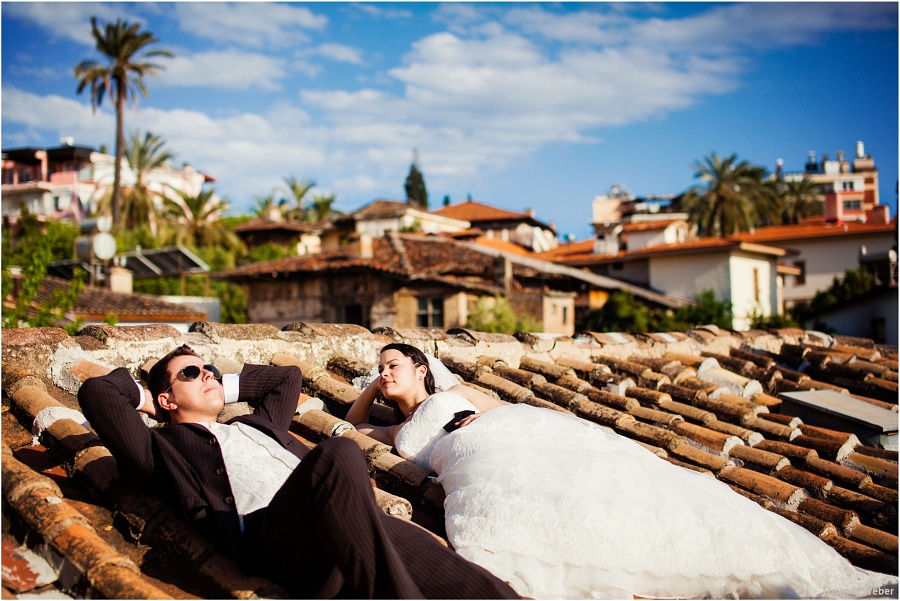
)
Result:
{"points": [[826, 259]]}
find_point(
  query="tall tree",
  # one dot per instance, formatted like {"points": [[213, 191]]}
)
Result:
{"points": [[732, 198], [140, 202], [121, 77], [297, 190], [196, 221], [416, 194], [800, 199]]}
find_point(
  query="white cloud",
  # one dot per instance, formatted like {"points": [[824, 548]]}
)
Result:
{"points": [[54, 113], [719, 29], [339, 53], [226, 69], [252, 24], [379, 11], [71, 20]]}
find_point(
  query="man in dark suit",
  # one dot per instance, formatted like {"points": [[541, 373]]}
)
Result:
{"points": [[305, 519]]}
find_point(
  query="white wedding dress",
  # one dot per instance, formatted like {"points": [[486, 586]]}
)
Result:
{"points": [[562, 508]]}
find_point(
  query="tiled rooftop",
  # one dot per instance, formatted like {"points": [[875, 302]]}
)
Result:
{"points": [[476, 211], [708, 400], [407, 255], [813, 228], [261, 224], [96, 303]]}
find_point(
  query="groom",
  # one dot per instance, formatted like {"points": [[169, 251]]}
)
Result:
{"points": [[304, 519]]}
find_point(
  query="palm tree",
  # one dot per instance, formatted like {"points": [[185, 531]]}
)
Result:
{"points": [[121, 77], [140, 202], [298, 190], [320, 209], [800, 198], [195, 221], [266, 207], [734, 197]]}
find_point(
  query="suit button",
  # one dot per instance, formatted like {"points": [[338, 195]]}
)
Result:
{"points": [[213, 441], [229, 500], [220, 471]]}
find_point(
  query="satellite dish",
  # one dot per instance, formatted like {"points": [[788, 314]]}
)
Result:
{"points": [[104, 246]]}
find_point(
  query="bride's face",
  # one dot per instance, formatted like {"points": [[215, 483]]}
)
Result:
{"points": [[400, 377]]}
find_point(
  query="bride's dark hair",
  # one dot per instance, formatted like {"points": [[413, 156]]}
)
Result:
{"points": [[418, 358]]}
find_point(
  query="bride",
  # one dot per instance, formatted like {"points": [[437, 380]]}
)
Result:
{"points": [[560, 507]]}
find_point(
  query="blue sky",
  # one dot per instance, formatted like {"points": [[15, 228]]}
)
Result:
{"points": [[520, 105]]}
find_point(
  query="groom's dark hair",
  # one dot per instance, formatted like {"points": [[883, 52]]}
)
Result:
{"points": [[418, 358]]}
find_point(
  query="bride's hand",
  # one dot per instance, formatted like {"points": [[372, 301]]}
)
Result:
{"points": [[467, 420], [375, 385]]}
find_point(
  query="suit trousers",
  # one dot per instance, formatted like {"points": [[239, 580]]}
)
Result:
{"points": [[323, 536]]}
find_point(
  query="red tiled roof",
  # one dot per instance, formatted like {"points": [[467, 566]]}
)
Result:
{"points": [[96, 303], [648, 226], [817, 228], [475, 211], [260, 224], [708, 400], [564, 252], [582, 253], [504, 245], [405, 255], [384, 206]]}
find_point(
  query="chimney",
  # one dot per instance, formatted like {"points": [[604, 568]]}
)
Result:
{"points": [[120, 279], [365, 246], [879, 215], [41, 155], [503, 272]]}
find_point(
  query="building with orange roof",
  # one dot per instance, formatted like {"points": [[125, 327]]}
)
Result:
{"points": [[380, 216], [823, 250], [522, 228], [746, 275]]}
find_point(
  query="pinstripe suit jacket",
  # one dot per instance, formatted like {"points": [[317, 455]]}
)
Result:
{"points": [[184, 461]]}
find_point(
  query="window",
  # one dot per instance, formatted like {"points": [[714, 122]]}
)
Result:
{"points": [[355, 314], [430, 313], [62, 202], [756, 284], [879, 329], [852, 206], [800, 278], [847, 186], [565, 318]]}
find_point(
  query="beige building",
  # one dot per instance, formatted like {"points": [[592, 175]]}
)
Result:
{"points": [[746, 275], [823, 250]]}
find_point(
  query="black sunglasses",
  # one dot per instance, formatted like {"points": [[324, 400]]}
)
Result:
{"points": [[192, 372]]}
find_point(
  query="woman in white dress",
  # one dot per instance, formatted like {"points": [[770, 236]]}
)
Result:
{"points": [[562, 508]]}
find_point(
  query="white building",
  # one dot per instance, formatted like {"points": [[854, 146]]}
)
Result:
{"points": [[66, 182]]}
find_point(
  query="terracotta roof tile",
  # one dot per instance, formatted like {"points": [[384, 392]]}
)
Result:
{"points": [[814, 229], [780, 461], [261, 224], [476, 211], [96, 303]]}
